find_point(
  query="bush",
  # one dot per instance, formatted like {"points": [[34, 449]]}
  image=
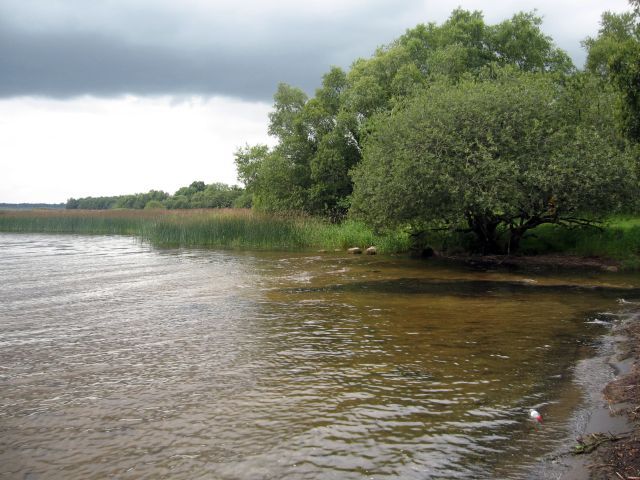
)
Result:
{"points": [[154, 205]]}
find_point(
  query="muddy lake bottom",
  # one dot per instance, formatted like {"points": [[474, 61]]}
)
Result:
{"points": [[118, 359]]}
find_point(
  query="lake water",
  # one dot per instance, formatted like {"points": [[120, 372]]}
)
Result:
{"points": [[121, 360]]}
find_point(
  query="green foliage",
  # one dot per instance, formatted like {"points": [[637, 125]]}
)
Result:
{"points": [[248, 160], [215, 195], [154, 205], [91, 203], [140, 200], [275, 189], [617, 238], [244, 200], [136, 201], [196, 195], [615, 55], [520, 42], [505, 154], [465, 43], [191, 190], [72, 204], [284, 119], [320, 138], [178, 202]]}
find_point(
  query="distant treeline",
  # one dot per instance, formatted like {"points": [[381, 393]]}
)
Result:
{"points": [[30, 206], [196, 195]]}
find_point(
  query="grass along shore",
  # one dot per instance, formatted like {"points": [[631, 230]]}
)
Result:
{"points": [[618, 239], [216, 228]]}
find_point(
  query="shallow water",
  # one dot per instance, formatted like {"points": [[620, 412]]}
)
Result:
{"points": [[121, 360]]}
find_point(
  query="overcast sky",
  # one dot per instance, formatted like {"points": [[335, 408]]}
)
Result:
{"points": [[108, 97]]}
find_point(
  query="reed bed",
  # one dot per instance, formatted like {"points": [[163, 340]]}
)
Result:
{"points": [[249, 230], [117, 222], [216, 228]]}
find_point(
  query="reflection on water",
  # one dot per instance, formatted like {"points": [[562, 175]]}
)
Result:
{"points": [[117, 359]]}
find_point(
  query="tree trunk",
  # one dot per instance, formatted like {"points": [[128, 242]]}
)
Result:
{"points": [[485, 229], [516, 233]]}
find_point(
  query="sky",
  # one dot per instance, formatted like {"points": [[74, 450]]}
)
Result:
{"points": [[109, 97]]}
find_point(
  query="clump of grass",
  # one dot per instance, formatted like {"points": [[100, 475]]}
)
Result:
{"points": [[351, 233]]}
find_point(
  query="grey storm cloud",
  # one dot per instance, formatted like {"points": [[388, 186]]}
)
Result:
{"points": [[62, 65], [169, 52], [166, 47]]}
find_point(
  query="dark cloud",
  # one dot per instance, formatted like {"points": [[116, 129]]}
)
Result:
{"points": [[148, 51], [63, 65]]}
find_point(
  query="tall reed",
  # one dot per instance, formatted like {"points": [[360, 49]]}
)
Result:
{"points": [[224, 228], [246, 229]]}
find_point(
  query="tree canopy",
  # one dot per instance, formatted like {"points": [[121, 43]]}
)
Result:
{"points": [[615, 56], [320, 138], [504, 153]]}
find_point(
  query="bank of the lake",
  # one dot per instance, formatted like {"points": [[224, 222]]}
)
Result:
{"points": [[620, 458], [614, 245], [603, 441], [241, 229]]}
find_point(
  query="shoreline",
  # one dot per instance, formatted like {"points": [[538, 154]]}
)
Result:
{"points": [[614, 249], [608, 421], [621, 458], [557, 261]]}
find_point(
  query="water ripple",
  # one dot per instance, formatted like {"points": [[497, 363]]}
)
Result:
{"points": [[118, 360]]}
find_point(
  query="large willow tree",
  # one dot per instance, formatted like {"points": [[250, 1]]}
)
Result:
{"points": [[498, 155], [320, 138]]}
